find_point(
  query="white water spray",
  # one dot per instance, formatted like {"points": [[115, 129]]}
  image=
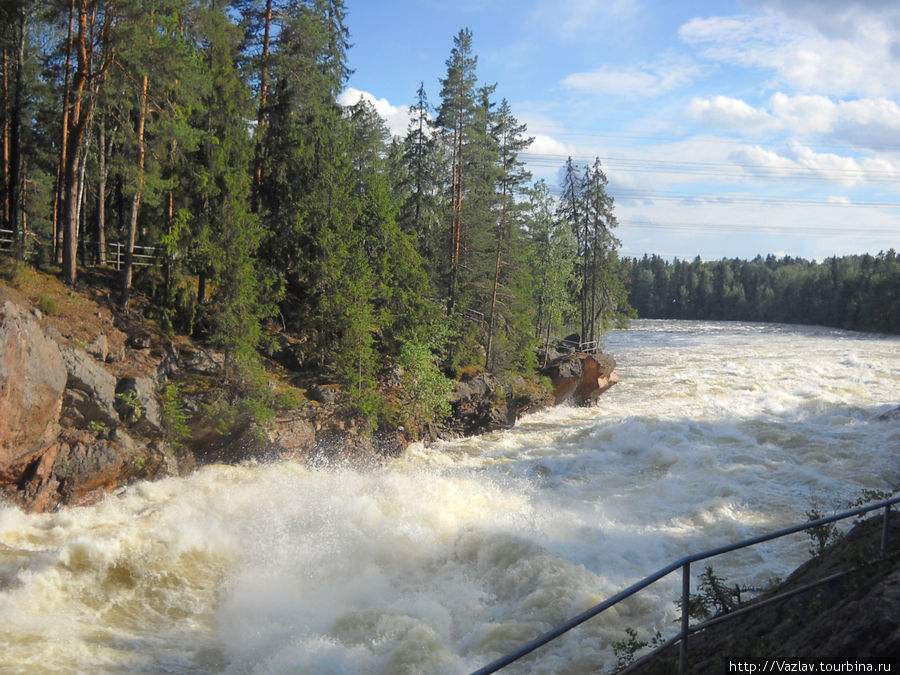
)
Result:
{"points": [[455, 554]]}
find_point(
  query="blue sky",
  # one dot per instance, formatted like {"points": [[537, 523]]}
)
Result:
{"points": [[727, 129]]}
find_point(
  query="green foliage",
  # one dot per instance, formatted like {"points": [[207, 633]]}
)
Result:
{"points": [[827, 534], [174, 418], [626, 649], [96, 426], [425, 390], [47, 304], [715, 596], [129, 405]]}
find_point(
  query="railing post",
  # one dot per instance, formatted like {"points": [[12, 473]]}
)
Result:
{"points": [[884, 529], [685, 616]]}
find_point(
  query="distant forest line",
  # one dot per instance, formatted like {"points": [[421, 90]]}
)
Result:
{"points": [[854, 292]]}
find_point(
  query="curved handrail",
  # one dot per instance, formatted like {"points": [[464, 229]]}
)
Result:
{"points": [[685, 564]]}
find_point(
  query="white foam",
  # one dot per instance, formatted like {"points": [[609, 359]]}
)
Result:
{"points": [[461, 551]]}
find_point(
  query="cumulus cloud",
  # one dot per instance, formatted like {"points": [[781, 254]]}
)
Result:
{"points": [[728, 113], [859, 55], [547, 145], [871, 123], [396, 117], [800, 161]]}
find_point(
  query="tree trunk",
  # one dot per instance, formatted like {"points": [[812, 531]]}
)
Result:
{"points": [[261, 113], [136, 198], [4, 152], [489, 356], [102, 175], [14, 167], [79, 221], [59, 195], [85, 83]]}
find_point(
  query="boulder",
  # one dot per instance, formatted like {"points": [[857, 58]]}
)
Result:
{"points": [[581, 377], [32, 380]]}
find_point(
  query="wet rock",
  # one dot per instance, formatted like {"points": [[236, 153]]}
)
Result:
{"points": [[478, 405], [889, 415], [32, 381], [84, 463]]}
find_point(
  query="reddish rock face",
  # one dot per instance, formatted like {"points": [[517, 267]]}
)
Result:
{"points": [[581, 378], [32, 380], [596, 378]]}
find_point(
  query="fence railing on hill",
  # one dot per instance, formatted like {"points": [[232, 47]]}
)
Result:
{"points": [[684, 564], [143, 256]]}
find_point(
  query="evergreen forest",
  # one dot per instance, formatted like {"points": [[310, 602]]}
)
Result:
{"points": [[857, 292], [207, 137]]}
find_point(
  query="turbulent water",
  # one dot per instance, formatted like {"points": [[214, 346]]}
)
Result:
{"points": [[454, 554]]}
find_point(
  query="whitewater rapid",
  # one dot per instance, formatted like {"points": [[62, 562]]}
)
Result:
{"points": [[452, 555]]}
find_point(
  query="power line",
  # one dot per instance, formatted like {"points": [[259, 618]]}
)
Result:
{"points": [[725, 199], [720, 169]]}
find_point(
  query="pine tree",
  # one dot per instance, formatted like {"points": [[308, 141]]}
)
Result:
{"points": [[93, 47], [456, 117]]}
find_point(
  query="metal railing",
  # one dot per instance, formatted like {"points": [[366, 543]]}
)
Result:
{"points": [[142, 256], [591, 346], [685, 565]]}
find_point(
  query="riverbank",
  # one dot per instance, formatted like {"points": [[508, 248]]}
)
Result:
{"points": [[94, 399], [854, 618]]}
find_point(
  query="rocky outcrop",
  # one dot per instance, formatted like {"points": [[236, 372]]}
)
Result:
{"points": [[580, 377], [32, 381], [63, 415], [481, 404], [81, 407]]}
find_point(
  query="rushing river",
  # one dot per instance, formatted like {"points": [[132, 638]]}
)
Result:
{"points": [[454, 554]]}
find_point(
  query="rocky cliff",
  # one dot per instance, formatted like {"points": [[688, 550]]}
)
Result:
{"points": [[82, 414]]}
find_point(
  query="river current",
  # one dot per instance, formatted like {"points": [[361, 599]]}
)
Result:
{"points": [[454, 554]]}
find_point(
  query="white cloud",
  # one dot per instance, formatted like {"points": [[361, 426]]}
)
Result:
{"points": [[641, 81], [871, 123], [546, 145], [801, 51], [728, 113], [808, 113], [802, 161], [397, 117]]}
